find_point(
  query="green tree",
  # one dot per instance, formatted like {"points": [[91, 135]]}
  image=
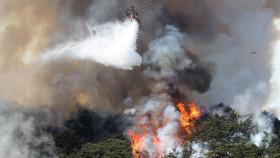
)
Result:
{"points": [[111, 148], [228, 136]]}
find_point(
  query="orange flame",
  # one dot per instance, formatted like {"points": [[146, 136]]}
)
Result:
{"points": [[140, 132], [187, 118], [136, 144], [149, 128]]}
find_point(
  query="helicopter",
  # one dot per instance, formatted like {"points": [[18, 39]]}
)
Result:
{"points": [[132, 14]]}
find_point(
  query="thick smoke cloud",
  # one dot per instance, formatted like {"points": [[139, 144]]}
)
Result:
{"points": [[20, 137], [169, 66], [241, 79], [273, 102], [160, 136], [62, 83], [197, 50], [199, 20], [235, 68], [27, 81], [274, 5], [166, 54], [228, 51], [224, 39], [28, 30], [170, 61]]}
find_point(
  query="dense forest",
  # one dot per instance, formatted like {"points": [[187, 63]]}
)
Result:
{"points": [[88, 135]]}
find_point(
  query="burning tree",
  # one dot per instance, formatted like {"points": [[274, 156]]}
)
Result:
{"points": [[158, 127], [188, 118]]}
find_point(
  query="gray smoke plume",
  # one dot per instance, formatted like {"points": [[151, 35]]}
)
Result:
{"points": [[27, 81], [234, 41], [241, 78], [20, 136], [191, 49], [158, 136]]}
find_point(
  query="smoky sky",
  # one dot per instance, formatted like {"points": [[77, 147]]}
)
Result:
{"points": [[222, 35], [197, 49], [65, 82]]}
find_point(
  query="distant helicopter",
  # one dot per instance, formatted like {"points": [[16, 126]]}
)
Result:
{"points": [[132, 14]]}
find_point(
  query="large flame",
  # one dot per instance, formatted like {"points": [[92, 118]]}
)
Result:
{"points": [[145, 137], [187, 118], [138, 140], [136, 143]]}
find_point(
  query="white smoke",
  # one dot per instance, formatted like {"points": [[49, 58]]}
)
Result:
{"points": [[111, 44], [167, 52], [19, 137], [273, 101], [159, 118], [264, 123], [165, 55], [199, 150], [167, 134], [264, 130], [237, 70], [241, 78], [252, 96]]}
